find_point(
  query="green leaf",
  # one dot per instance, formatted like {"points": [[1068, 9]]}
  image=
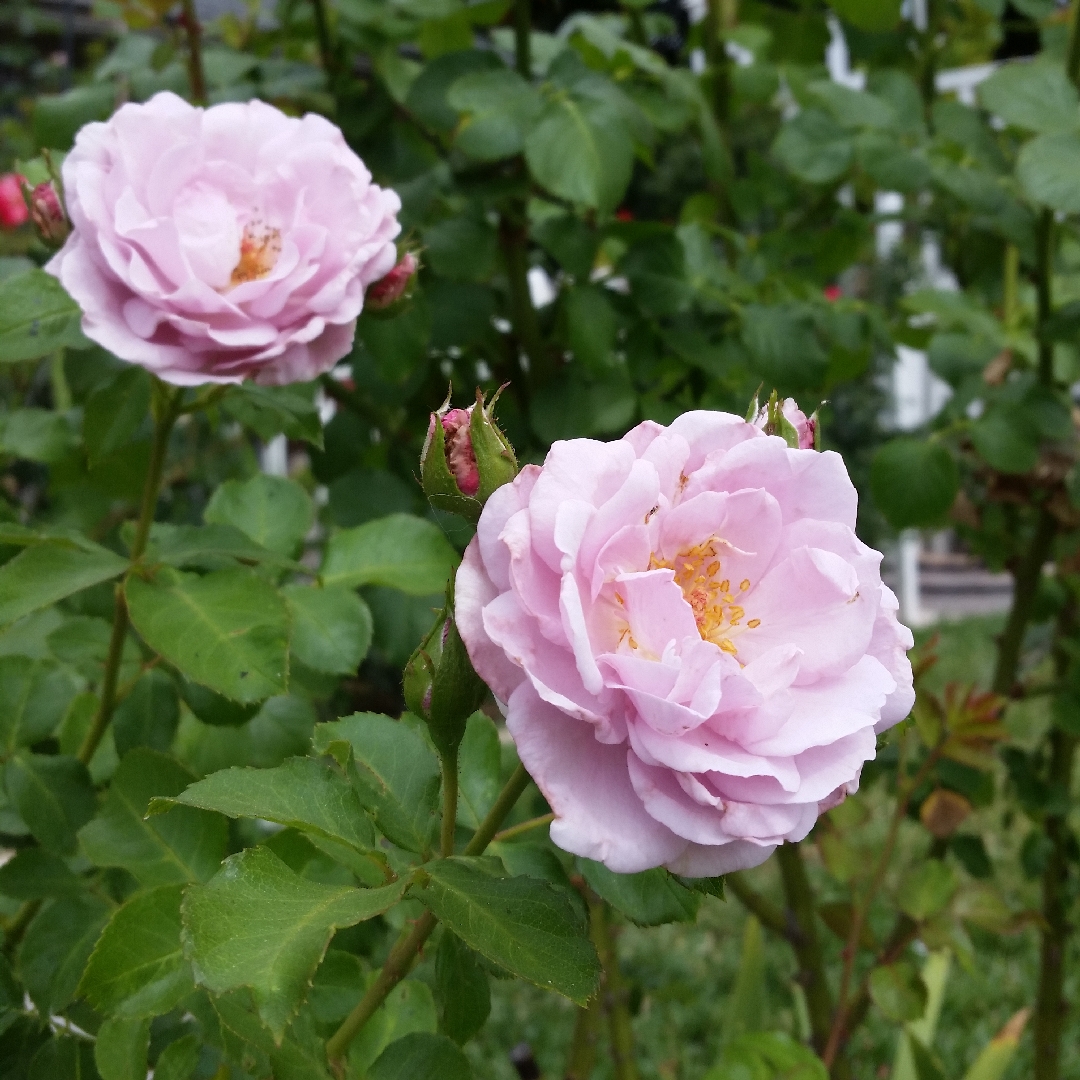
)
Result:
{"points": [[783, 343], [37, 317], [499, 107], [401, 551], [35, 874], [648, 899], [121, 1048], [228, 630], [56, 947], [149, 715], [53, 794], [1034, 96], [1006, 439], [1048, 169], [462, 987], [331, 627], [64, 1056], [49, 571], [213, 709], [852, 108], [303, 793], [184, 845], [581, 150], [275, 410], [36, 435], [276, 513], [527, 926], [814, 147], [874, 16], [257, 924], [178, 1060], [114, 412], [396, 774], [338, 985], [898, 991], [34, 695], [421, 1056], [137, 968], [591, 326], [479, 758], [925, 890], [461, 248], [209, 547], [767, 1055], [745, 1007], [914, 482], [408, 1008]]}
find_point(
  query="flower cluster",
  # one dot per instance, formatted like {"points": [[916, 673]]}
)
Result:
{"points": [[693, 649]]}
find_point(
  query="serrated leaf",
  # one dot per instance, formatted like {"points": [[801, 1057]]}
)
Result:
{"points": [[396, 774], [209, 547], [55, 949], [525, 925], [914, 482], [302, 793], [648, 899], [34, 695], [462, 987], [926, 889], [114, 412], [479, 757], [408, 1008], [276, 513], [137, 968], [898, 991], [36, 874], [1048, 168], [1033, 96], [53, 794], [500, 107], [178, 1060], [228, 630], [331, 627], [37, 317], [149, 715], [49, 571], [184, 845], [121, 1047], [400, 551], [258, 924], [421, 1056], [273, 410]]}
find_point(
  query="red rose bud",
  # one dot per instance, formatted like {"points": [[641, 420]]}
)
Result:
{"points": [[465, 458], [48, 215], [13, 211], [390, 289]]}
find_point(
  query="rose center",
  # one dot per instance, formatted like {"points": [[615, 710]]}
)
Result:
{"points": [[259, 249], [711, 596]]}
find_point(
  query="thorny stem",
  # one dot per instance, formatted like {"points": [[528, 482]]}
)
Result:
{"points": [[164, 420], [450, 797], [842, 1020], [613, 992], [193, 30], [801, 931], [404, 953]]}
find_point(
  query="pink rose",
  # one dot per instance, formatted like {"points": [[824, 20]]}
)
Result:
{"points": [[13, 211], [222, 244], [693, 649]]}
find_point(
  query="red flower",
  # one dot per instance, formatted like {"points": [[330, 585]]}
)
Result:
{"points": [[13, 211]]}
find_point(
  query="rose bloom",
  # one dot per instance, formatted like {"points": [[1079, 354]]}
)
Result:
{"points": [[222, 244], [694, 651]]}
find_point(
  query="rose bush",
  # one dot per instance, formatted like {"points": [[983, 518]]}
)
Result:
{"points": [[222, 244], [693, 649]]}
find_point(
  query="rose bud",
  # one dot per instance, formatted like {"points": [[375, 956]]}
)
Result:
{"points": [[440, 684], [693, 650], [222, 244], [788, 421], [388, 290], [465, 458], [48, 214], [13, 210]]}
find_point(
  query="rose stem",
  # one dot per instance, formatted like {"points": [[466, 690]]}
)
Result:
{"points": [[841, 1022], [522, 38], [193, 30], [404, 952], [322, 31], [525, 826], [164, 419], [450, 797], [613, 994], [581, 1059]]}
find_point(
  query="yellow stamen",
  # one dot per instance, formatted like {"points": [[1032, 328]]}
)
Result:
{"points": [[753, 624], [260, 247]]}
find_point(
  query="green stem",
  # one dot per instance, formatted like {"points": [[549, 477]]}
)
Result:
{"points": [[1010, 299], [404, 953], [767, 913], [196, 72], [1050, 1004], [322, 32], [1044, 269], [1026, 579], [450, 797], [801, 919], [61, 391], [165, 418], [524, 827], [522, 38], [16, 928], [614, 995], [581, 1060], [513, 237], [1072, 57]]}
